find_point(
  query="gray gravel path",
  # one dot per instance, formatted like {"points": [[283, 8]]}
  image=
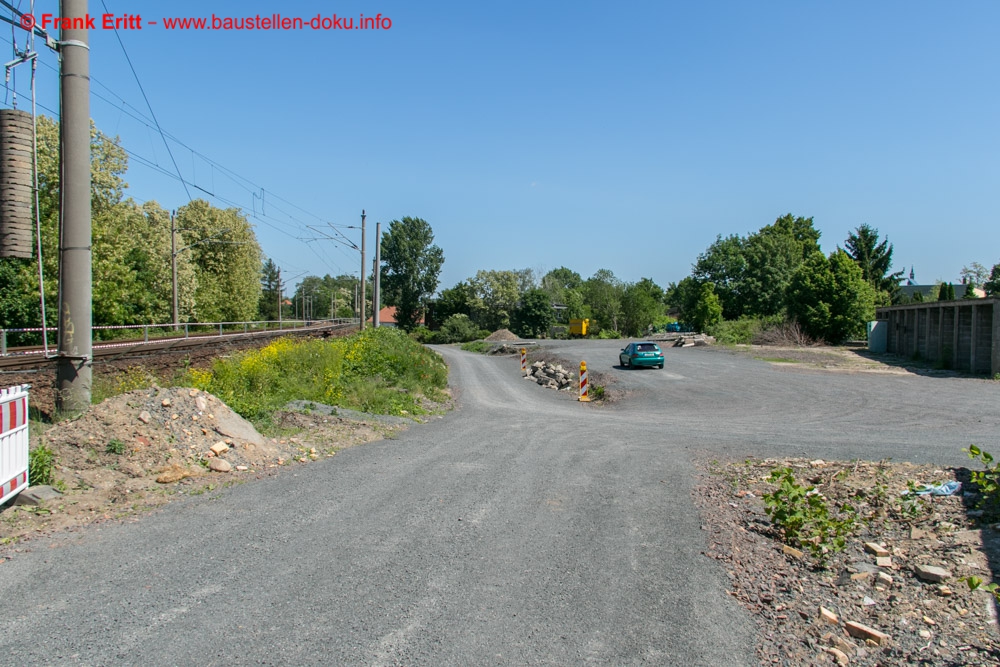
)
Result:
{"points": [[523, 528]]}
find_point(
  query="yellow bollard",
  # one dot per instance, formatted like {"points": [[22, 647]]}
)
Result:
{"points": [[584, 387]]}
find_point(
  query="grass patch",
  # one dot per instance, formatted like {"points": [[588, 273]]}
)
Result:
{"points": [[132, 378], [477, 346], [778, 360], [378, 370]]}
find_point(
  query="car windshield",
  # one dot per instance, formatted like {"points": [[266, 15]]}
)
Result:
{"points": [[646, 347]]}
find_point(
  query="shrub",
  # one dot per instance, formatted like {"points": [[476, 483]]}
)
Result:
{"points": [[41, 461], [608, 334], [459, 329]]}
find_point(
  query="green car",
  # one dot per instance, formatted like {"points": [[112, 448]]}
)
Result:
{"points": [[641, 354]]}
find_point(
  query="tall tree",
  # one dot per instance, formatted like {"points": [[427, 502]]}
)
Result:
{"points": [[225, 251], [724, 264], [496, 295], [533, 315], [641, 305], [411, 265], [603, 293], [269, 279], [773, 254], [992, 286], [875, 260], [830, 298]]}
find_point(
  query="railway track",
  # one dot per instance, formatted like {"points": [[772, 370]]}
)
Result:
{"points": [[29, 358]]}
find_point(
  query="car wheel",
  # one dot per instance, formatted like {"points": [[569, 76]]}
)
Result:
{"points": [[661, 367], [624, 362]]}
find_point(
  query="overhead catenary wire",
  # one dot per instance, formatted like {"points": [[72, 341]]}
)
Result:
{"points": [[290, 225]]}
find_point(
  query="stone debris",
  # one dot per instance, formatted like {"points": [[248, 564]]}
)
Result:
{"points": [[693, 340], [36, 495], [219, 448], [174, 473], [828, 616], [145, 417], [876, 549], [860, 631], [932, 573], [220, 465], [838, 655], [551, 376]]}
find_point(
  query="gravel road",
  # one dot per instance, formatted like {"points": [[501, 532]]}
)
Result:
{"points": [[522, 528]]}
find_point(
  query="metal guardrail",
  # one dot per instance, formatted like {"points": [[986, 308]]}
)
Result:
{"points": [[173, 331]]}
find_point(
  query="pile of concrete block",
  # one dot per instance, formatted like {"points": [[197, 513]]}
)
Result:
{"points": [[692, 340], [551, 376]]}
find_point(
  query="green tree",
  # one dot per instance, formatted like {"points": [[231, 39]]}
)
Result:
{"points": [[496, 295], [830, 298], [557, 281], [603, 293], [269, 279], [642, 304], [533, 315], [946, 292], [773, 254], [875, 260], [684, 297], [455, 300], [970, 292], [992, 286], [225, 251], [411, 265], [723, 264], [707, 310]]}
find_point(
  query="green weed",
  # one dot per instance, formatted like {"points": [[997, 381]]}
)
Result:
{"points": [[988, 480], [804, 518], [41, 462], [115, 446]]}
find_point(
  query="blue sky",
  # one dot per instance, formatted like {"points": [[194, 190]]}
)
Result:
{"points": [[582, 134]]}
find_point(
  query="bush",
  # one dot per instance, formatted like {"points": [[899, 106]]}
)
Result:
{"points": [[459, 329], [608, 334]]}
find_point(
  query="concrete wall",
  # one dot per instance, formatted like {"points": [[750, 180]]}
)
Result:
{"points": [[963, 334]]}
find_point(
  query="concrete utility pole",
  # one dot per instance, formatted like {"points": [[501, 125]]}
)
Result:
{"points": [[374, 294], [361, 325], [74, 369], [377, 289]]}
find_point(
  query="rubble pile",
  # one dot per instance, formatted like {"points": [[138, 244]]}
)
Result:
{"points": [[692, 340], [551, 376]]}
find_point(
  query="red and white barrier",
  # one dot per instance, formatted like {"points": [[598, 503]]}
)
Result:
{"points": [[13, 441]]}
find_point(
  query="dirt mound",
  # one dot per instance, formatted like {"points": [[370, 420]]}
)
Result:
{"points": [[501, 335], [141, 449]]}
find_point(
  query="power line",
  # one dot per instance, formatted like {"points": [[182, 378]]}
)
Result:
{"points": [[254, 190]]}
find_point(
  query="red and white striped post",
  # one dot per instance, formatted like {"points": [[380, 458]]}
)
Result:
{"points": [[584, 385], [524, 361]]}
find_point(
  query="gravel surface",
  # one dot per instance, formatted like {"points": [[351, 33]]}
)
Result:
{"points": [[523, 528]]}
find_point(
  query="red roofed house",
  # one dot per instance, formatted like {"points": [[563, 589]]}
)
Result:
{"points": [[387, 317]]}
